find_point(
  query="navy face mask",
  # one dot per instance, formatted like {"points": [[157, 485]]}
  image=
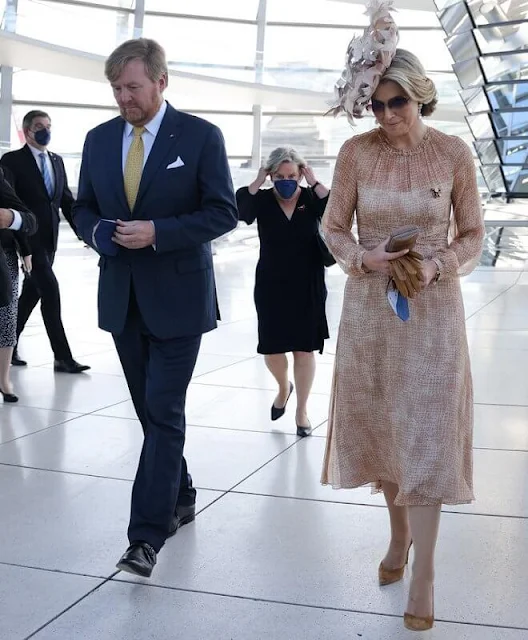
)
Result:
{"points": [[42, 137], [285, 188]]}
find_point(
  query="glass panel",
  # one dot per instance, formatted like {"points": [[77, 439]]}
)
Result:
{"points": [[486, 12], [74, 27], [513, 123], [462, 47], [475, 100], [338, 12], [290, 50], [246, 10], [506, 67], [455, 19], [481, 126], [513, 151], [33, 86], [487, 152], [200, 42], [237, 131], [469, 73], [516, 179], [494, 179], [121, 4], [505, 38], [506, 96], [443, 4]]}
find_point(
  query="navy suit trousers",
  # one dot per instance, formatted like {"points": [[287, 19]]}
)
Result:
{"points": [[158, 373]]}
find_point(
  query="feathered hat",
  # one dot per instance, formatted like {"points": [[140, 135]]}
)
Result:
{"points": [[368, 57]]}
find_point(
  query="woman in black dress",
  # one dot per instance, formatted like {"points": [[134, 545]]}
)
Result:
{"points": [[290, 291]]}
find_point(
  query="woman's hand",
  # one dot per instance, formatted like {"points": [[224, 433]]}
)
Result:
{"points": [[27, 264], [429, 269], [308, 173], [378, 259], [258, 182]]}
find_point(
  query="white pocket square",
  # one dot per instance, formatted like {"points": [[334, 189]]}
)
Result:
{"points": [[177, 163]]}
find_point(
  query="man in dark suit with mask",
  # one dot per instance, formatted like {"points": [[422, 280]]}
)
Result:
{"points": [[39, 179]]}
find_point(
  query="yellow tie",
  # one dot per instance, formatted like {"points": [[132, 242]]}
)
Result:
{"points": [[134, 167]]}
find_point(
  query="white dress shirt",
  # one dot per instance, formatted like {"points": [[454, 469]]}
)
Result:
{"points": [[17, 220], [36, 154], [148, 137]]}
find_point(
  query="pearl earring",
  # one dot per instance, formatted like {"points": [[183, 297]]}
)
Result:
{"points": [[420, 107]]}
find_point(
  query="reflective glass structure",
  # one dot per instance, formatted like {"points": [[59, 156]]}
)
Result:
{"points": [[489, 44], [262, 70]]}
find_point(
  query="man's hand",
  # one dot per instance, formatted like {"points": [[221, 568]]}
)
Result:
{"points": [[135, 234], [27, 264], [6, 218]]}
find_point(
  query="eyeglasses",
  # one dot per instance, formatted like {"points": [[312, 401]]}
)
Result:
{"points": [[394, 104]]}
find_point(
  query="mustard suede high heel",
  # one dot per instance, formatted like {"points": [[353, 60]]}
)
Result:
{"points": [[417, 623], [390, 576]]}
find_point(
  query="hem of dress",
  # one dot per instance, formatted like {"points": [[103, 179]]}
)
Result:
{"points": [[406, 501]]}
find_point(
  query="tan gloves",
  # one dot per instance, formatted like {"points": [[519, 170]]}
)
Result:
{"points": [[406, 272]]}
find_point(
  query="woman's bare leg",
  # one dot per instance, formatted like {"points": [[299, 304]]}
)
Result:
{"points": [[304, 374], [400, 529], [424, 522], [277, 364]]}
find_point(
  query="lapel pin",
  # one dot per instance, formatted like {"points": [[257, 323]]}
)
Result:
{"points": [[436, 192]]}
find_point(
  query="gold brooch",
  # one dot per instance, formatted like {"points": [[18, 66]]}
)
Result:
{"points": [[436, 192]]}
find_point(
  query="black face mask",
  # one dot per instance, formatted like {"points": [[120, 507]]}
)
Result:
{"points": [[42, 137]]}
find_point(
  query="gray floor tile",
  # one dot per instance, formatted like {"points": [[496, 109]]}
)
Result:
{"points": [[42, 388], [125, 611], [17, 421], [103, 446], [65, 522], [254, 375], [296, 473], [247, 409], [29, 598], [499, 377], [326, 555]]}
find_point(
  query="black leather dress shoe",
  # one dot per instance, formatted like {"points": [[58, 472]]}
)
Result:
{"points": [[17, 361], [184, 515], [277, 413], [69, 366], [139, 559], [9, 397]]}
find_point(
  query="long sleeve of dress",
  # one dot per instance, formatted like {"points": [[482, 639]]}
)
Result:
{"points": [[462, 254], [340, 210], [247, 205]]}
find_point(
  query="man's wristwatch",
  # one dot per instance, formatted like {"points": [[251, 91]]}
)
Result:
{"points": [[314, 186]]}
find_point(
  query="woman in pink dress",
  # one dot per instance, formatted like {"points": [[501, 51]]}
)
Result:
{"points": [[401, 412]]}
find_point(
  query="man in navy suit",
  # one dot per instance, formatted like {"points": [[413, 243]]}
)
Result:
{"points": [[155, 190], [39, 179]]}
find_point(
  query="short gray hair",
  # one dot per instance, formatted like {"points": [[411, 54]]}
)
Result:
{"points": [[284, 154], [149, 51], [407, 71]]}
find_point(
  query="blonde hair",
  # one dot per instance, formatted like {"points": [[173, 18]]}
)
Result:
{"points": [[284, 154], [407, 71], [149, 51]]}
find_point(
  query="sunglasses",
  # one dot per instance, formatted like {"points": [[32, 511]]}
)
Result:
{"points": [[394, 104]]}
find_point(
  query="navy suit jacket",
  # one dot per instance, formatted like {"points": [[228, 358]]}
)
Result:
{"points": [[190, 205], [28, 183]]}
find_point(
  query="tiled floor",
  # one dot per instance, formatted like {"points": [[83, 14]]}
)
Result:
{"points": [[272, 554]]}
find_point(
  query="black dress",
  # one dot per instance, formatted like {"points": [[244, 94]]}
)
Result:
{"points": [[290, 291]]}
